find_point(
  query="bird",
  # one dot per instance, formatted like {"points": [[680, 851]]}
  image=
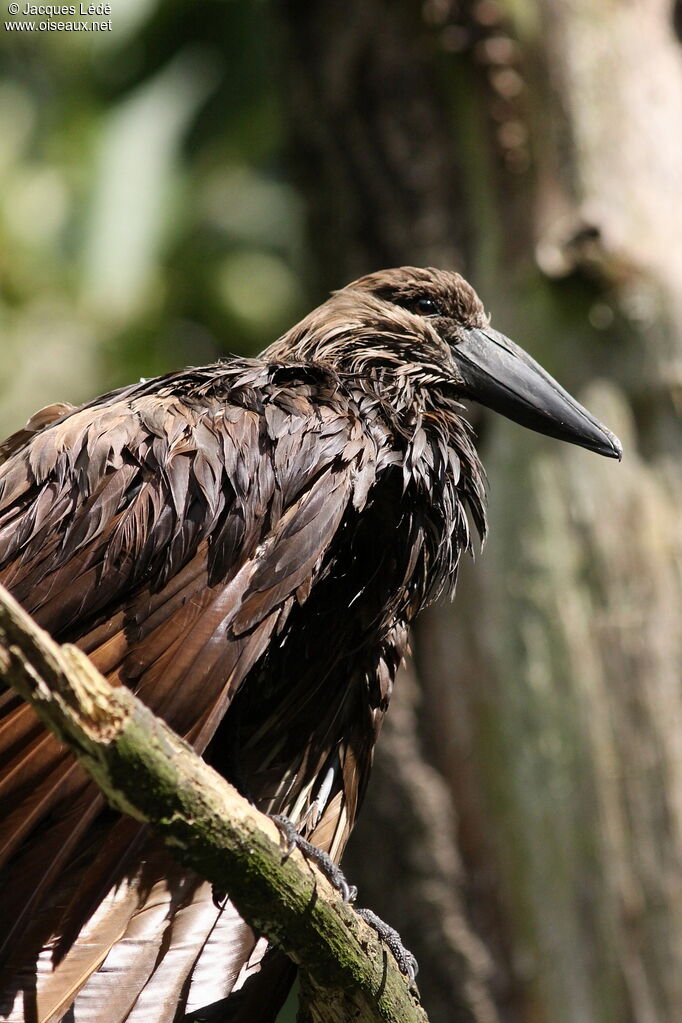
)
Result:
{"points": [[245, 545]]}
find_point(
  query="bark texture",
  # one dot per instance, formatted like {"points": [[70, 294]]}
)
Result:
{"points": [[535, 145]]}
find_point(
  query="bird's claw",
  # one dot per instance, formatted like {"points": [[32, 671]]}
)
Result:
{"points": [[404, 958], [331, 871]]}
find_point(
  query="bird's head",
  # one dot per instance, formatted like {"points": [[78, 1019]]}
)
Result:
{"points": [[430, 326], [445, 312]]}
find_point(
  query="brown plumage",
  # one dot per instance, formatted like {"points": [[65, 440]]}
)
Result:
{"points": [[244, 545]]}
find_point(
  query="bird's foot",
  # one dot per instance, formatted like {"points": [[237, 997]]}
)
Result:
{"points": [[331, 871], [404, 958]]}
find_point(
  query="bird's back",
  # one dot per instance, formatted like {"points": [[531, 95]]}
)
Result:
{"points": [[243, 546]]}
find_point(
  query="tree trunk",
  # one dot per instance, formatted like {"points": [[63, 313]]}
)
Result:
{"points": [[534, 778]]}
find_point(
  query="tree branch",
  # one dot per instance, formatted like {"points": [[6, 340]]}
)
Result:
{"points": [[144, 769]]}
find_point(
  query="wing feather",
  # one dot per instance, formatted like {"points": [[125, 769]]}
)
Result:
{"points": [[169, 536]]}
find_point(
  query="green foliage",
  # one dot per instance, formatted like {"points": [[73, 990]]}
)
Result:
{"points": [[145, 219]]}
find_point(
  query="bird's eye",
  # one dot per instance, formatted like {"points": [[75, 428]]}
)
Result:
{"points": [[427, 307]]}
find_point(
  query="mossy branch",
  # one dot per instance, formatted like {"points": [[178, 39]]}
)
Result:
{"points": [[144, 769]]}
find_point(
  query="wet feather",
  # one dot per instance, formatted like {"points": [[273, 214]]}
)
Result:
{"points": [[244, 545]]}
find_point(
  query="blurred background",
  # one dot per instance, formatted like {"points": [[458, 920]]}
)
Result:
{"points": [[189, 183]]}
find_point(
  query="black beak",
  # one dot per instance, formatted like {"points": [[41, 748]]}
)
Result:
{"points": [[499, 374]]}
